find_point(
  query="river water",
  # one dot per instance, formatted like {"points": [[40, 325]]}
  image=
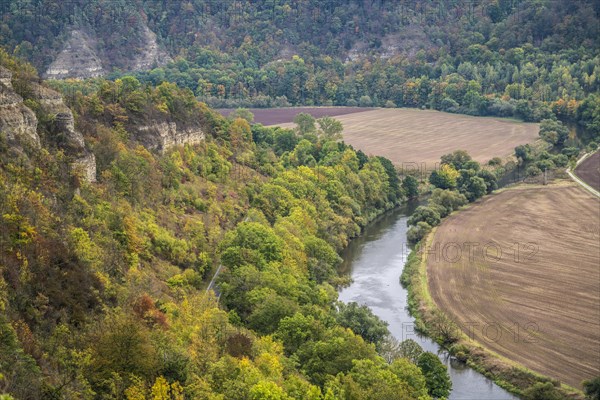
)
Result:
{"points": [[375, 261]]}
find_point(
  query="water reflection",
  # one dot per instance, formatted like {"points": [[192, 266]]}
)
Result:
{"points": [[375, 261]]}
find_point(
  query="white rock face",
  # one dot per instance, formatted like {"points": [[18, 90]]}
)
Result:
{"points": [[78, 59], [64, 128], [87, 166], [17, 122], [151, 54], [81, 58], [64, 124], [161, 136], [5, 77]]}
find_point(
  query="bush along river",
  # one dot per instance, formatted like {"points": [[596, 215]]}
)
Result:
{"points": [[375, 261]]}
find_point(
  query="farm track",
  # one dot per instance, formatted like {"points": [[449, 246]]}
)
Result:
{"points": [[588, 170]]}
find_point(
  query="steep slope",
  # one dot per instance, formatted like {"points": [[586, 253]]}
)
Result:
{"points": [[19, 125], [16, 120], [48, 32], [102, 284], [78, 59]]}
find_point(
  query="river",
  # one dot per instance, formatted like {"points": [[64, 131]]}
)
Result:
{"points": [[375, 261]]}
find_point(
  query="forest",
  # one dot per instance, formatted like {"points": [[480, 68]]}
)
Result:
{"points": [[102, 286], [526, 59]]}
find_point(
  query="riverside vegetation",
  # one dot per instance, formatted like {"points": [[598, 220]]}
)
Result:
{"points": [[458, 182], [102, 285]]}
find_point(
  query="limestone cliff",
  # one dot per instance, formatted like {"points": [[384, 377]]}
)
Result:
{"points": [[82, 57], [19, 124], [78, 59], [161, 136], [63, 130], [150, 55]]}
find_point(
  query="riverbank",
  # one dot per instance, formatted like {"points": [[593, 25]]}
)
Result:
{"points": [[374, 260], [433, 322]]}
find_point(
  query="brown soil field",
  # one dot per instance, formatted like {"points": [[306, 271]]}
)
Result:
{"points": [[589, 170], [276, 116], [539, 306], [411, 137]]}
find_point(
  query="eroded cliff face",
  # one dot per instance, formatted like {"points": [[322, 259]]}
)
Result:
{"points": [[64, 133], [19, 124], [83, 58], [160, 136], [151, 54], [78, 59]]}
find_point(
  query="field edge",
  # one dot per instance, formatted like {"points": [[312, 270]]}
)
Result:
{"points": [[506, 373]]}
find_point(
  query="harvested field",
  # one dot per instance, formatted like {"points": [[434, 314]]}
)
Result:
{"points": [[411, 137], [589, 170], [276, 116], [538, 305]]}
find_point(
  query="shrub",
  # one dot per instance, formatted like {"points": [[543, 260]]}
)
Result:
{"points": [[418, 232]]}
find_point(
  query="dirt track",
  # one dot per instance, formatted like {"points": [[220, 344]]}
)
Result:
{"points": [[540, 306], [589, 170], [411, 137]]}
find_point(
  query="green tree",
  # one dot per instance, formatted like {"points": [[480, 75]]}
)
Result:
{"points": [[445, 178], [553, 132], [375, 380], [436, 375], [305, 123], [285, 140], [588, 115], [542, 391], [491, 182], [474, 188], [242, 113], [363, 322], [425, 214], [123, 349], [265, 390], [331, 128], [457, 159], [591, 387], [523, 153], [335, 353], [19, 373], [296, 330], [417, 232], [410, 185], [449, 200], [251, 243]]}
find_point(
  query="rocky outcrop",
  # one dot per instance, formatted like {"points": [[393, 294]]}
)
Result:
{"points": [[151, 54], [5, 77], [81, 57], [63, 130], [63, 125], [78, 59], [86, 166], [17, 122], [406, 43], [161, 136]]}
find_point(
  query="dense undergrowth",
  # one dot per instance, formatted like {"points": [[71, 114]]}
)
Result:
{"points": [[102, 285]]}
